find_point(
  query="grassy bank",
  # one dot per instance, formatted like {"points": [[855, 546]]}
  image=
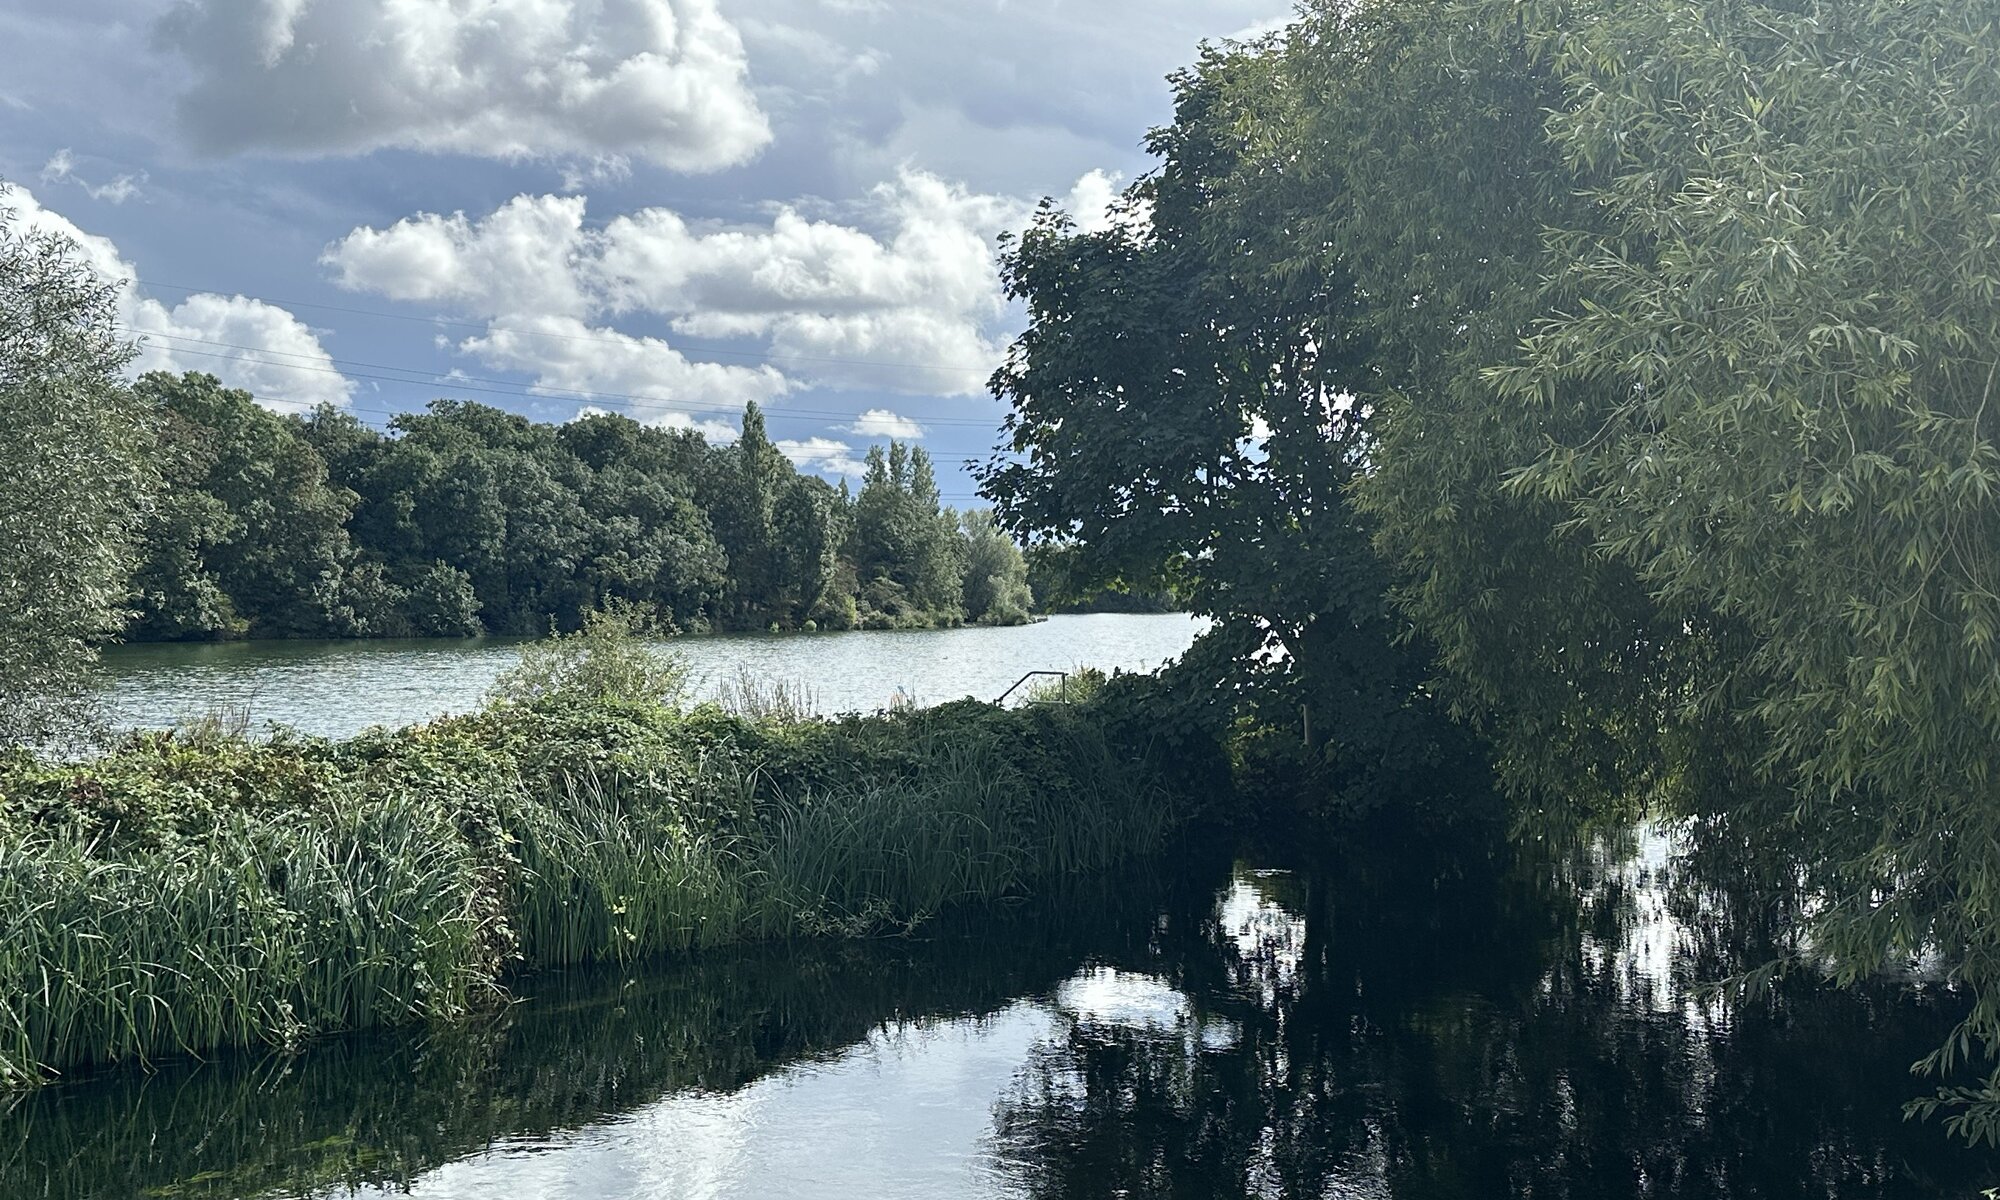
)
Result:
{"points": [[197, 890]]}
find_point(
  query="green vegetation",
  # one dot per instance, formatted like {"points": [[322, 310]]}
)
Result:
{"points": [[73, 481], [604, 660], [193, 890], [1615, 378], [1590, 396], [385, 1110], [467, 520]]}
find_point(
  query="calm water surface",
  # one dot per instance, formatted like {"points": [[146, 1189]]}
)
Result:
{"points": [[339, 688], [1257, 1027]]}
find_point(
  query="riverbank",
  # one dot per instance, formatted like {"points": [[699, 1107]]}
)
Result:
{"points": [[193, 891]]}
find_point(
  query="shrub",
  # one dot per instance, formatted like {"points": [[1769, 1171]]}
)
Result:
{"points": [[606, 659]]}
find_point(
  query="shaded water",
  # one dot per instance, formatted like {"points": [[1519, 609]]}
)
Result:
{"points": [[1258, 1027], [336, 688]]}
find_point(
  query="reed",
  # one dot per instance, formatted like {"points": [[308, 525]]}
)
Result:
{"points": [[752, 696], [182, 895], [262, 933]]}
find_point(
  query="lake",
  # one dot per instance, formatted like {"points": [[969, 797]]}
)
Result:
{"points": [[1254, 1022], [335, 688]]}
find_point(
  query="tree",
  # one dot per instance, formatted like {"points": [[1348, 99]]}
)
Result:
{"points": [[175, 593], [1183, 414], [744, 486], [806, 531], [249, 499], [440, 602], [906, 550], [74, 480], [1668, 334], [1789, 286], [996, 573], [650, 541]]}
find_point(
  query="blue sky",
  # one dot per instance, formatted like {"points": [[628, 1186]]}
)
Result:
{"points": [[656, 207]]}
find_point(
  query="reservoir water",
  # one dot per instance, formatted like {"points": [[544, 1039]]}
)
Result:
{"points": [[341, 687], [1255, 1024]]}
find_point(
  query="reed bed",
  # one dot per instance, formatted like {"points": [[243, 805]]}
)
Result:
{"points": [[181, 894], [261, 933]]}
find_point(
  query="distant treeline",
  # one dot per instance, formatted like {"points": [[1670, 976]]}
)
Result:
{"points": [[465, 520]]}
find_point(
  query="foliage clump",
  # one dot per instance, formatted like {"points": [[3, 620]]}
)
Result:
{"points": [[1618, 379], [74, 480], [606, 659], [465, 520]]}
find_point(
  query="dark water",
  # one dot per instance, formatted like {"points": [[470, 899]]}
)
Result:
{"points": [[337, 688], [1351, 1029]]}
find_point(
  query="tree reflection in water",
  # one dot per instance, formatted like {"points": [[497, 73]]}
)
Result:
{"points": [[1533, 1030], [1383, 1025]]}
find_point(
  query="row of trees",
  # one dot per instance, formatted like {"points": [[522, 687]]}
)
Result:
{"points": [[466, 519], [1616, 378]]}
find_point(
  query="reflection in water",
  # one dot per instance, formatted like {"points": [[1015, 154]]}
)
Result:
{"points": [[338, 688], [1345, 1030]]}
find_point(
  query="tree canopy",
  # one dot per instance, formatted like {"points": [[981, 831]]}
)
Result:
{"points": [[74, 481], [1616, 375], [465, 519]]}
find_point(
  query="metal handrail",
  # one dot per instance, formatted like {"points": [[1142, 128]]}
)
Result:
{"points": [[1063, 675]]}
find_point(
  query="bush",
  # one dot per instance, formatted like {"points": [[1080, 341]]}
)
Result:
{"points": [[606, 659], [442, 603]]}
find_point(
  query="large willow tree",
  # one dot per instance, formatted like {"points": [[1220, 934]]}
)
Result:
{"points": [[73, 481], [1673, 330], [1793, 291]]}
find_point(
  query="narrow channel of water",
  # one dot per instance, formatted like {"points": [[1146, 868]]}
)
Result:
{"points": [[341, 687], [1258, 1027]]}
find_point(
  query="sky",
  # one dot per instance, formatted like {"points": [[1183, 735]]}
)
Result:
{"points": [[662, 208]]}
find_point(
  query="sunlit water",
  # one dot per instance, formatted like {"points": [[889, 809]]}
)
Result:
{"points": [[339, 688], [1263, 1027]]}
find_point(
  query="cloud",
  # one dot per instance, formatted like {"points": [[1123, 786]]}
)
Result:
{"points": [[521, 258], [718, 433], [643, 375], [881, 423], [1014, 97], [904, 297], [61, 168], [1097, 202], [290, 372], [600, 169], [824, 455], [662, 80]]}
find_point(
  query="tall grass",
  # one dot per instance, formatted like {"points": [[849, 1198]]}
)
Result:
{"points": [[752, 696], [600, 879], [264, 932], [180, 895]]}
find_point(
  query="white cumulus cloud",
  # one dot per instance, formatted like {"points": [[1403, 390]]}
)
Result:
{"points": [[825, 455], [882, 423], [644, 376], [289, 371], [521, 258], [662, 80], [903, 296]]}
